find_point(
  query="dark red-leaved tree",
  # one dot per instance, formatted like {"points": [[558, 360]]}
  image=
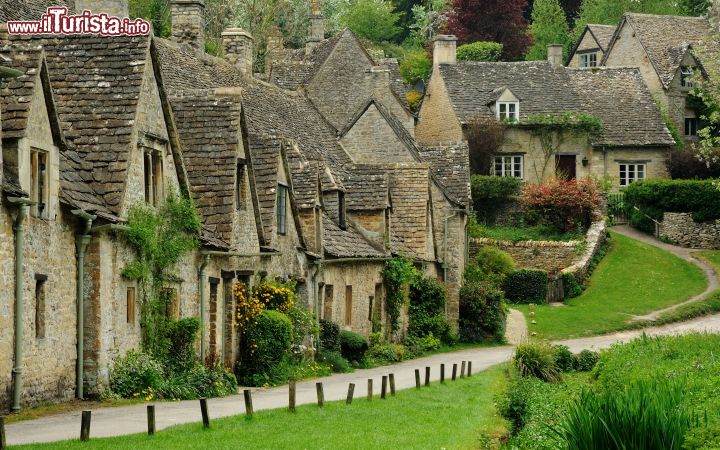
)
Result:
{"points": [[491, 20]]}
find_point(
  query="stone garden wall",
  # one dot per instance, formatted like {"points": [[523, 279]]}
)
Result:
{"points": [[550, 256], [681, 229]]}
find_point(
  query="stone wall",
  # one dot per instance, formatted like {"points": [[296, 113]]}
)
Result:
{"points": [[681, 229], [549, 256], [188, 23], [437, 122], [372, 140], [594, 239]]}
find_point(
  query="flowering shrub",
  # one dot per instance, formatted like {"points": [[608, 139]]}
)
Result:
{"points": [[270, 295], [563, 204]]}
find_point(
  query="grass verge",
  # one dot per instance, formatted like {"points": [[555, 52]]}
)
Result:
{"points": [[457, 415], [522, 233]]}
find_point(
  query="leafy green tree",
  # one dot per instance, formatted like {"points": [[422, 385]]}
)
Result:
{"points": [[695, 7], [609, 12], [548, 27], [156, 12], [373, 20], [415, 67]]}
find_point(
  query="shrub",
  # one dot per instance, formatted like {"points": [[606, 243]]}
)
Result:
{"points": [[653, 197], [586, 360], [381, 351], [336, 361], [269, 339], [536, 359], [419, 345], [564, 358], [353, 346], [303, 323], [414, 98], [482, 312], [571, 287], [480, 51], [181, 335], [645, 414], [415, 67], [329, 336], [526, 286], [276, 295], [426, 314], [685, 164], [492, 260], [515, 405], [490, 194], [134, 373], [564, 204]]}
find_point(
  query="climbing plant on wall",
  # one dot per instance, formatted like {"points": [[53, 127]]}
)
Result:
{"points": [[398, 272], [160, 238]]}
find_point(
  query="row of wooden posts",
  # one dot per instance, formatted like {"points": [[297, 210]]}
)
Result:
{"points": [[247, 394]]}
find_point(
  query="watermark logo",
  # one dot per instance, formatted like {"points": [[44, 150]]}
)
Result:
{"points": [[57, 21]]}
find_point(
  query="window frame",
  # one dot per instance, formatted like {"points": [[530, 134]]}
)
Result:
{"points": [[348, 305], [632, 174], [40, 182], [40, 306], [507, 115], [130, 305], [153, 175], [590, 59], [281, 208], [692, 123], [686, 74], [512, 169]]}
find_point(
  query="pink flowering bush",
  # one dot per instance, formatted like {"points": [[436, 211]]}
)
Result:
{"points": [[564, 204]]}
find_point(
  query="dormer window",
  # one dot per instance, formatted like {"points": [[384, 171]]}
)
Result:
{"points": [[39, 187], [686, 75], [588, 60], [508, 111], [342, 220], [154, 181], [281, 208]]}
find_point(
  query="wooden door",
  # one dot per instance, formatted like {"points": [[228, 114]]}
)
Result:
{"points": [[565, 166]]}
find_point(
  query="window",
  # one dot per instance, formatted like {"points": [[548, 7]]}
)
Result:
{"points": [[39, 188], [328, 302], [691, 124], [630, 172], [686, 74], [40, 305], [240, 185], [509, 166], [130, 300], [282, 209], [371, 301], [348, 305], [342, 221], [508, 111], [153, 177], [588, 60], [172, 305]]}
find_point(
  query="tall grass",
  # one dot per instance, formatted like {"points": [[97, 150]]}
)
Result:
{"points": [[537, 359], [644, 415]]}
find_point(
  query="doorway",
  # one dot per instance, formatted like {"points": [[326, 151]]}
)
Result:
{"points": [[565, 166]]}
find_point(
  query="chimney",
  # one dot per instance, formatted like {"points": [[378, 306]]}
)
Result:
{"points": [[117, 8], [379, 80], [316, 28], [275, 48], [239, 49], [444, 49], [555, 54], [188, 23]]}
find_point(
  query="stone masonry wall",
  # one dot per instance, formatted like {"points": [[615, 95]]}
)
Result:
{"points": [[541, 255], [372, 140], [188, 23], [681, 229]]}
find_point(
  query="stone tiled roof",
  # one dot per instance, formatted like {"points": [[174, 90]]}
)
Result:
{"points": [[666, 39], [290, 74], [17, 92], [396, 82], [348, 243], [11, 183], [30, 9], [602, 33], [367, 188], [265, 154], [409, 195], [543, 89], [209, 129], [450, 166]]}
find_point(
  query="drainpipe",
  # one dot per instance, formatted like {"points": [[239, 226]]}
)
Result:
{"points": [[201, 287], [81, 244], [19, 301]]}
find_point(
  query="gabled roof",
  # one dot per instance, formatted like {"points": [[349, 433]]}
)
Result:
{"points": [[666, 39], [30, 9], [17, 93], [449, 165], [602, 34], [347, 243], [367, 187], [265, 153]]}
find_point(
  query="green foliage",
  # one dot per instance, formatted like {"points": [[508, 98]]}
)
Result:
{"points": [[383, 352], [396, 274], [571, 287], [526, 286], [374, 20], [303, 323], [335, 360], [695, 7], [564, 358], [181, 336], [645, 414], [482, 312], [426, 314], [494, 260], [134, 373], [490, 194], [585, 361], [525, 233], [536, 359], [548, 26], [574, 122], [414, 99], [270, 339], [670, 124], [329, 336], [353, 346], [415, 67], [514, 406], [653, 197], [156, 12], [480, 51]]}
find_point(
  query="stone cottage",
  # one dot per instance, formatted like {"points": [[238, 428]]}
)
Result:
{"points": [[590, 48], [633, 145]]}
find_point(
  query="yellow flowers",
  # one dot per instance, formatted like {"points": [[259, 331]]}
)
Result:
{"points": [[266, 295]]}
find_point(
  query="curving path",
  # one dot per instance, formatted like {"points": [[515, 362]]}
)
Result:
{"points": [[125, 420], [680, 252]]}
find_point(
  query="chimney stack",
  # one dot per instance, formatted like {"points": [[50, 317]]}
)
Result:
{"points": [[117, 8], [316, 28], [444, 49], [555, 54], [239, 49], [188, 23], [275, 48], [379, 80]]}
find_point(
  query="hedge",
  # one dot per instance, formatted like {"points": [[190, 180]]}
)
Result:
{"points": [[526, 286], [271, 338], [353, 346], [480, 51], [655, 197], [329, 336], [482, 312], [491, 193]]}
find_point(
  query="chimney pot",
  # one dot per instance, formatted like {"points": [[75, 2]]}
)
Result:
{"points": [[188, 23], [239, 49], [444, 49], [555, 54]]}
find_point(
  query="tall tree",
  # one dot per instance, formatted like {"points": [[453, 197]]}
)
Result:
{"points": [[609, 12], [548, 27], [374, 20], [695, 7], [571, 8], [491, 20], [156, 12]]}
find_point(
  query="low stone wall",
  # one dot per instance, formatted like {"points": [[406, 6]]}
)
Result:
{"points": [[681, 229], [594, 239], [550, 256]]}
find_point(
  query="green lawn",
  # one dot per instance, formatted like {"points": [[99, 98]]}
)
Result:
{"points": [[457, 415], [522, 233], [633, 279]]}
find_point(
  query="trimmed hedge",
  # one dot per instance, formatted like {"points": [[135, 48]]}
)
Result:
{"points": [[480, 51], [482, 312], [490, 194], [654, 197], [526, 286], [271, 337], [329, 336], [353, 346]]}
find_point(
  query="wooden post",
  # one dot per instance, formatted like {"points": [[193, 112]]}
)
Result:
{"points": [[204, 412], [442, 373], [454, 374], [427, 376], [320, 394], [292, 387], [383, 389], [151, 419], [417, 378], [462, 370], [392, 384], [248, 402], [351, 389], [469, 374], [370, 389], [85, 426], [3, 445]]}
